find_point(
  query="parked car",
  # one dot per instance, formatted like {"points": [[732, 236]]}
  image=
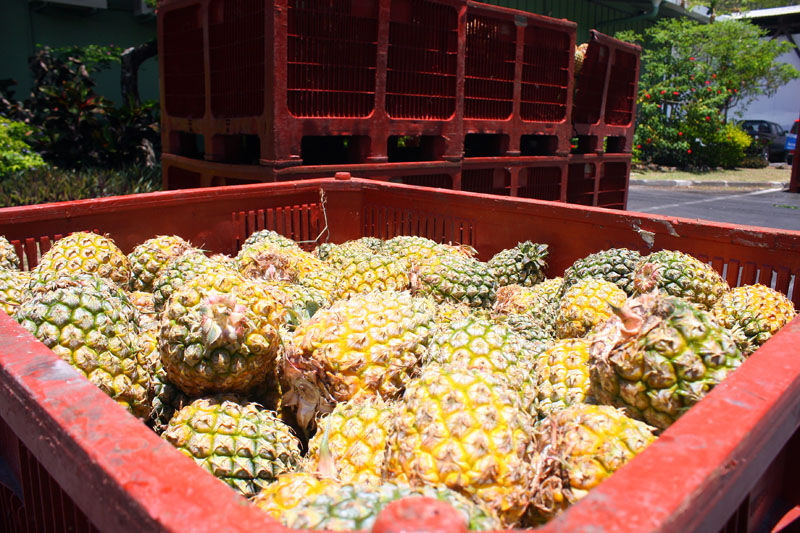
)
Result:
{"points": [[770, 135], [791, 142]]}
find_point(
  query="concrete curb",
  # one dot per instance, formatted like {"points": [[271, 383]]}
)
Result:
{"points": [[720, 183]]}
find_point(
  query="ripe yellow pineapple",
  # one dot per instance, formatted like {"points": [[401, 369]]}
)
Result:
{"points": [[586, 305], [87, 253], [562, 376], [367, 345], [8, 255], [150, 258], [466, 430], [754, 313], [356, 433], [576, 449], [219, 333]]}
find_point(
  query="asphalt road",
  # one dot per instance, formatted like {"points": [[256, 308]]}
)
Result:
{"points": [[770, 208]]}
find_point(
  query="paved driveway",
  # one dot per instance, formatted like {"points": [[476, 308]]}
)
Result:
{"points": [[772, 208]]}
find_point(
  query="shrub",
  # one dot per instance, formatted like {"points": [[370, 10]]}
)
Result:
{"points": [[75, 126], [15, 153], [49, 184], [727, 147]]}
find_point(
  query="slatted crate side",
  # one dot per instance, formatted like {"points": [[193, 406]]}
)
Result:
{"points": [[489, 67], [331, 58], [237, 62], [547, 74], [422, 67]]}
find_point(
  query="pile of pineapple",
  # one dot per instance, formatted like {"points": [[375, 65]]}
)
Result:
{"points": [[326, 385]]}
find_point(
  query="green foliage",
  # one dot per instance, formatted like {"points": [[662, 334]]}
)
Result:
{"points": [[75, 126], [15, 153], [692, 74], [50, 184]]}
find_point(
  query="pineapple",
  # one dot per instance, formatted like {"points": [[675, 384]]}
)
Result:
{"points": [[151, 257], [679, 274], [270, 262], [180, 270], [289, 491], [480, 344], [299, 303], [562, 376], [331, 252], [580, 56], [13, 284], [93, 329], [219, 333], [8, 255], [469, 431], [269, 236], [536, 303], [754, 313], [88, 253], [364, 271], [576, 449], [616, 265], [585, 305], [413, 248], [659, 357], [367, 345], [522, 265], [239, 442], [355, 507], [454, 278], [357, 431]]}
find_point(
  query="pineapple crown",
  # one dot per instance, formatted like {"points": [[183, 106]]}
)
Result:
{"points": [[222, 318]]}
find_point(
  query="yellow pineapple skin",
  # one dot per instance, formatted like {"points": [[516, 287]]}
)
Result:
{"points": [[88, 253], [586, 305], [755, 313], [576, 449], [468, 431], [562, 376], [357, 434], [288, 491]]}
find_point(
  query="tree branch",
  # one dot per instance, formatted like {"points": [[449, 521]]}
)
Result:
{"points": [[132, 58]]}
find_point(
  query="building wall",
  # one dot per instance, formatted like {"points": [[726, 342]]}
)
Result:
{"points": [[25, 24]]}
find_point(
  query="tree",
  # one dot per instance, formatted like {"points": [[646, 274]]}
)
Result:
{"points": [[716, 7], [693, 74]]}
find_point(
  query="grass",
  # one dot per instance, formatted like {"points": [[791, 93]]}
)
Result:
{"points": [[741, 175]]}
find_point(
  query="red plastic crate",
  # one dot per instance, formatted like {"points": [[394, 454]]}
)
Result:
{"points": [[76, 461], [518, 82], [604, 109], [599, 180], [542, 178], [283, 74]]}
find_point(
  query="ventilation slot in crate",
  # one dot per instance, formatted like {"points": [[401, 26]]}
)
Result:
{"points": [[485, 144], [332, 55], [302, 223], [581, 183], [387, 222]]}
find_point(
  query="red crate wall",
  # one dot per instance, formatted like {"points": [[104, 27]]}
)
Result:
{"points": [[541, 183], [487, 180], [518, 78], [331, 58], [546, 75], [605, 95], [183, 70], [236, 41], [489, 66], [422, 60]]}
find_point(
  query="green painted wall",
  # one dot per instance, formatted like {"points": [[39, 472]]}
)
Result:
{"points": [[588, 15], [25, 23]]}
